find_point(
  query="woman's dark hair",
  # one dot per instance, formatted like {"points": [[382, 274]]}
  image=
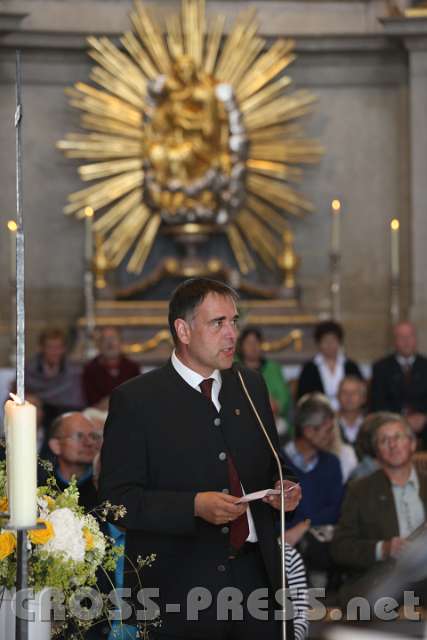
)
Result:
{"points": [[328, 326], [247, 331], [189, 294]]}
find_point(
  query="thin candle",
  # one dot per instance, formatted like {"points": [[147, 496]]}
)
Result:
{"points": [[336, 226], [88, 235], [12, 227], [395, 263]]}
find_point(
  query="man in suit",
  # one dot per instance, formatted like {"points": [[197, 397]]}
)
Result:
{"points": [[399, 381], [382, 510], [180, 444]]}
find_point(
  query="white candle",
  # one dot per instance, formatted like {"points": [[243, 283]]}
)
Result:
{"points": [[88, 237], [395, 265], [12, 227], [21, 462], [336, 227]]}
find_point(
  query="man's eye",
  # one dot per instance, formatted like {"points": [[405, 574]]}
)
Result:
{"points": [[217, 323]]}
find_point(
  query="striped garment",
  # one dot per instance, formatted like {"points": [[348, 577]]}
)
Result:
{"points": [[298, 592]]}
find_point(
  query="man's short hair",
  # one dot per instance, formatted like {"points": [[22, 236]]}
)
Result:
{"points": [[189, 294], [385, 417], [312, 410], [328, 326], [52, 333]]}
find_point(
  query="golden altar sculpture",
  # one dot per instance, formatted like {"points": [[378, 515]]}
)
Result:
{"points": [[192, 135]]}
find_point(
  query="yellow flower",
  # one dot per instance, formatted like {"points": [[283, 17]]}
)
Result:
{"points": [[50, 502], [41, 536], [4, 504], [89, 539], [7, 544]]}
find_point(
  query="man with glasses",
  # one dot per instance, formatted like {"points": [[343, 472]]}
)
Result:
{"points": [[380, 512], [74, 441]]}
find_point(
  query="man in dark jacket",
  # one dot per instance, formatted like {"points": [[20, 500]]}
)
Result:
{"points": [[190, 446], [399, 381]]}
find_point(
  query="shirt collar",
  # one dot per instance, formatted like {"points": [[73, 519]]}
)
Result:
{"points": [[320, 360], [405, 362], [298, 459], [190, 376], [413, 479]]}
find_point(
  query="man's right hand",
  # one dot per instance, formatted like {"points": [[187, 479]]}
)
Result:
{"points": [[393, 548], [217, 507]]}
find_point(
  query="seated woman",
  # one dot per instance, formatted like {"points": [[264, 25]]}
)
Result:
{"points": [[329, 366], [249, 352]]}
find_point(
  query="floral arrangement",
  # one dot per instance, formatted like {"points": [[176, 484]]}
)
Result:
{"points": [[65, 552]]}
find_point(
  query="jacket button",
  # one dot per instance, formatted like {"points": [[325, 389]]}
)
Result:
{"points": [[225, 530], [217, 422], [222, 456], [221, 568]]}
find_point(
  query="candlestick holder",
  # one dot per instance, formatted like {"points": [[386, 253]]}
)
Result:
{"points": [[335, 285]]}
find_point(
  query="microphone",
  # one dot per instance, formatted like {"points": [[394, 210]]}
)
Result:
{"points": [[282, 496]]}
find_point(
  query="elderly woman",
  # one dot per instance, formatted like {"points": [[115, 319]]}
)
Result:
{"points": [[329, 366]]}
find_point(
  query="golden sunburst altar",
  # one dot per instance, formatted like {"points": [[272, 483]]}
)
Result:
{"points": [[192, 135]]}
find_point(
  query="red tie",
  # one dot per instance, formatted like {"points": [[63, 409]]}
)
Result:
{"points": [[239, 529]]}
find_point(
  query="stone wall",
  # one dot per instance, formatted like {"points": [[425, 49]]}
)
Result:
{"points": [[369, 76]]}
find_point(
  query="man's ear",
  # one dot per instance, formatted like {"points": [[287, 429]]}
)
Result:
{"points": [[183, 330], [54, 446]]}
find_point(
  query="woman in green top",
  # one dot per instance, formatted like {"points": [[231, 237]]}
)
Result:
{"points": [[249, 352]]}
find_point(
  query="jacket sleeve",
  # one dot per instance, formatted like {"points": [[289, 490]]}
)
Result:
{"points": [[378, 391], [350, 548], [124, 478]]}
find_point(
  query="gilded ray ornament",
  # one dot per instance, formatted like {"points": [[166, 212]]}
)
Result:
{"points": [[188, 126]]}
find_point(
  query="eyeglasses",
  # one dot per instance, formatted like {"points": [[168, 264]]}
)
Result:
{"points": [[385, 441], [80, 436]]}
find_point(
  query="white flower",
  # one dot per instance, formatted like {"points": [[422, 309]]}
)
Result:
{"points": [[68, 535]]}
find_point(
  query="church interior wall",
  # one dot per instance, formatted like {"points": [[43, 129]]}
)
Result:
{"points": [[361, 118]]}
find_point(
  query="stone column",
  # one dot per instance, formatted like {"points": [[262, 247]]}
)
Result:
{"points": [[413, 33]]}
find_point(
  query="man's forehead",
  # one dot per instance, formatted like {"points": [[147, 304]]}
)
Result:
{"points": [[391, 426], [77, 421], [217, 303]]}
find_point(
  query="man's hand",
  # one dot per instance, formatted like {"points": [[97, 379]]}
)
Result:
{"points": [[416, 421], [393, 548], [217, 508], [292, 497]]}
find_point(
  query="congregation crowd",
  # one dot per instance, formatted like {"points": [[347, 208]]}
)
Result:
{"points": [[356, 446]]}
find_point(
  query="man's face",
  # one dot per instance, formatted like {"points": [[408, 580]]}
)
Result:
{"points": [[53, 350], [351, 395], [78, 440], [394, 445], [207, 341], [321, 436], [110, 344], [405, 339]]}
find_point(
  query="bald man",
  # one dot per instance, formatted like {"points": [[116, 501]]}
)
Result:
{"points": [[399, 381], [75, 440]]}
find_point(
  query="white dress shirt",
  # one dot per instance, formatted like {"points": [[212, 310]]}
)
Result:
{"points": [[194, 379], [331, 379]]}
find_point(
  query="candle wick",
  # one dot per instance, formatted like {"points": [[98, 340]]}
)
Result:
{"points": [[16, 398]]}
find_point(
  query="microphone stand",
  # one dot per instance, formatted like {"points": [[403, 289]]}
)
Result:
{"points": [[282, 502]]}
